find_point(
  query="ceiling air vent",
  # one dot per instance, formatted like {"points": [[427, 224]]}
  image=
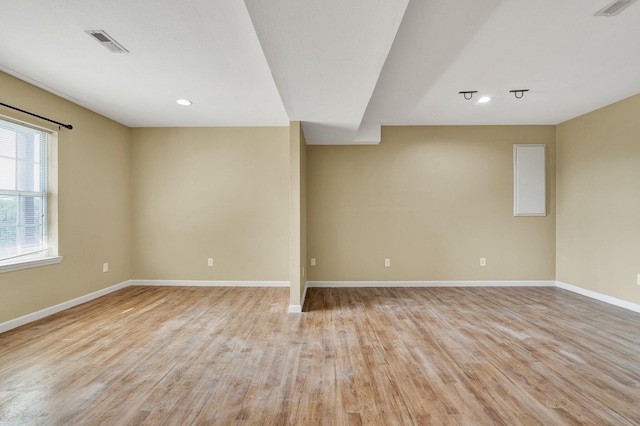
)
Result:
{"points": [[614, 8], [107, 41]]}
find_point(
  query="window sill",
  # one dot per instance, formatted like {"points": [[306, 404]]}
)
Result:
{"points": [[31, 263]]}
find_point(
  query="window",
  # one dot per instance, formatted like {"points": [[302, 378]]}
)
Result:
{"points": [[24, 179]]}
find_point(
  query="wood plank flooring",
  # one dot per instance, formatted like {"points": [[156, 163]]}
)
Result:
{"points": [[388, 356]]}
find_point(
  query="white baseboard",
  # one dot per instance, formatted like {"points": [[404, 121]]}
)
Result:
{"points": [[537, 283], [205, 283], [297, 309], [382, 284], [346, 284], [25, 319], [598, 296]]}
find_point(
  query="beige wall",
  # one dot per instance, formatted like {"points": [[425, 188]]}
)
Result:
{"points": [[304, 259], [297, 212], [433, 200], [156, 203], [94, 181], [598, 183], [218, 193]]}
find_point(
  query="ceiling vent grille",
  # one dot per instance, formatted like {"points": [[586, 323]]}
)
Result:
{"points": [[107, 41], [614, 8]]}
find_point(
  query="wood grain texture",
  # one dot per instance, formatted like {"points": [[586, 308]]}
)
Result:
{"points": [[393, 356]]}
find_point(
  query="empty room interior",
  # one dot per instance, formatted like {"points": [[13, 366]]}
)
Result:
{"points": [[320, 212]]}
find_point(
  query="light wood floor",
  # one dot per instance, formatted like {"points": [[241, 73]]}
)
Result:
{"points": [[163, 355]]}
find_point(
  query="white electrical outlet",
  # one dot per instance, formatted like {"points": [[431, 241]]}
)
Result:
{"points": [[387, 263], [313, 261], [210, 262], [105, 267], [638, 279], [483, 261]]}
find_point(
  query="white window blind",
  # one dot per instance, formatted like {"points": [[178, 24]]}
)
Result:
{"points": [[23, 192]]}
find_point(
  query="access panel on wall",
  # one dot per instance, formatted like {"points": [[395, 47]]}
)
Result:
{"points": [[529, 180]]}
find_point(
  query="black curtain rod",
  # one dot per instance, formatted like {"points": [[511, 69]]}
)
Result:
{"points": [[66, 126]]}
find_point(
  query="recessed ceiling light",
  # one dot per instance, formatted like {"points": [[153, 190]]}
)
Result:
{"points": [[183, 102], [484, 100]]}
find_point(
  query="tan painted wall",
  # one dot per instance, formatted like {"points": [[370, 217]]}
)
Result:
{"points": [[433, 200], [298, 268], [218, 193], [304, 262], [94, 182], [297, 212], [598, 183], [156, 203]]}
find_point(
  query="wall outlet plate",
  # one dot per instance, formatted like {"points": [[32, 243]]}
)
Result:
{"points": [[105, 267], [387, 263], [483, 261]]}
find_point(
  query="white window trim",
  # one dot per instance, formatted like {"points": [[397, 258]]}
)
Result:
{"points": [[30, 263]]}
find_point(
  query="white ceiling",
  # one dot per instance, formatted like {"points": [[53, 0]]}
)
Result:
{"points": [[342, 67]]}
